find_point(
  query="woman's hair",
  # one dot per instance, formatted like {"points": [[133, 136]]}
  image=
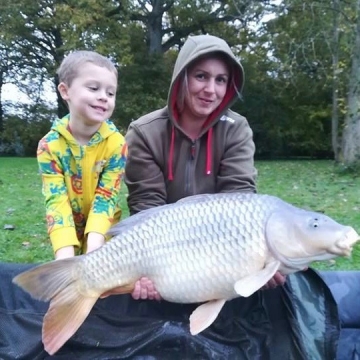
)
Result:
{"points": [[183, 78], [70, 66]]}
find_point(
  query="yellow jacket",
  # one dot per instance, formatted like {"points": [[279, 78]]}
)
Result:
{"points": [[81, 183]]}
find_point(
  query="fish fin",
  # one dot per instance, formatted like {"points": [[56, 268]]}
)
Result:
{"points": [[204, 315], [67, 311], [45, 281], [125, 289], [249, 284], [58, 281]]}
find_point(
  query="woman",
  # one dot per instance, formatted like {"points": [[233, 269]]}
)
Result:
{"points": [[196, 144]]}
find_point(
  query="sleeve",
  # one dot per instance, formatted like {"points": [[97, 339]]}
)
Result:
{"points": [[105, 209], [237, 171], [143, 176], [59, 217]]}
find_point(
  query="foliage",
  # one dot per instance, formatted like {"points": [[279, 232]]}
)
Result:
{"points": [[21, 136], [139, 95], [314, 68], [295, 69]]}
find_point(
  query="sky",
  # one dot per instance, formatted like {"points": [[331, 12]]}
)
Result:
{"points": [[10, 92]]}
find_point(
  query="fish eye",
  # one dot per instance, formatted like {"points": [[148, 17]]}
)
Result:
{"points": [[314, 223]]}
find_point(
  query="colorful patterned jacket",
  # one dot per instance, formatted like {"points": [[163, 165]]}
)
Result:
{"points": [[81, 183]]}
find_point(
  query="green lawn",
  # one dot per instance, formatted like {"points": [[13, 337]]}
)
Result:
{"points": [[314, 185]]}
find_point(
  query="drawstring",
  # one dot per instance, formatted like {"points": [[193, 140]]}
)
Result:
{"points": [[171, 154], [208, 151]]}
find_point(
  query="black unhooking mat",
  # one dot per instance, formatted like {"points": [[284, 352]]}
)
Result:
{"points": [[297, 321]]}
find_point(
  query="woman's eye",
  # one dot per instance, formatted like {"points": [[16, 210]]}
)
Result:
{"points": [[200, 76], [221, 80]]}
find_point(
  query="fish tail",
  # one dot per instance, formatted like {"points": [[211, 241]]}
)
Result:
{"points": [[67, 311], [43, 282], [58, 281]]}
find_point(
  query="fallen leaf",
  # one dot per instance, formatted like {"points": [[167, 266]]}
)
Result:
{"points": [[9, 227]]}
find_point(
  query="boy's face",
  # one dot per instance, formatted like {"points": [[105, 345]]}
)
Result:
{"points": [[91, 95]]}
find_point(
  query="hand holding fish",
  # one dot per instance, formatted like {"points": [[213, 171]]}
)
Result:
{"points": [[65, 252], [94, 241], [277, 280], [145, 289]]}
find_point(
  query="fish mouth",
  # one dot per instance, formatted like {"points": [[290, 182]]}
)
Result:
{"points": [[344, 246]]}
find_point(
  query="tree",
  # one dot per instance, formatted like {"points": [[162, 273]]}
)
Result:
{"points": [[45, 31], [335, 88], [310, 42], [351, 137], [295, 65], [35, 31], [167, 23]]}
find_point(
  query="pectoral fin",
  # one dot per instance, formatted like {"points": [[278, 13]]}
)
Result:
{"points": [[249, 284], [204, 315]]}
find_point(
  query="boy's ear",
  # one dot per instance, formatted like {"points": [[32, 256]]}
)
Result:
{"points": [[63, 90]]}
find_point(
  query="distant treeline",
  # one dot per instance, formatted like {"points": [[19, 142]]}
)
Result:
{"points": [[299, 95]]}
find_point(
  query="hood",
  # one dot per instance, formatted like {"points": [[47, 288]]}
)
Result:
{"points": [[195, 47], [62, 127]]}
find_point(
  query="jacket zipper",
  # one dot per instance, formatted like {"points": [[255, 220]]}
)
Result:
{"points": [[85, 178], [189, 171]]}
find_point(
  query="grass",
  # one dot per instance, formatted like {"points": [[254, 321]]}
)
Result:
{"points": [[22, 206], [317, 186], [314, 185]]}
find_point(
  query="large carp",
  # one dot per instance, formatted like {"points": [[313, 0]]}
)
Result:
{"points": [[205, 248]]}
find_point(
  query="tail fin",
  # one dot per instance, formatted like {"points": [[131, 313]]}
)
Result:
{"points": [[45, 281], [58, 282]]}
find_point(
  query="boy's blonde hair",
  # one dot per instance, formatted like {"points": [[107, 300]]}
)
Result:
{"points": [[69, 67]]}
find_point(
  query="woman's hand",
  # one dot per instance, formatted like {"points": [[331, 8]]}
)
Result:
{"points": [[144, 289], [277, 280]]}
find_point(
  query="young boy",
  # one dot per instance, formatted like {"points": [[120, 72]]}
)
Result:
{"points": [[82, 158]]}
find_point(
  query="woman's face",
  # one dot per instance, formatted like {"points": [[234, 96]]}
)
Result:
{"points": [[207, 85]]}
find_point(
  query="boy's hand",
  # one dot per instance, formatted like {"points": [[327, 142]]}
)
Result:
{"points": [[94, 241], [65, 252]]}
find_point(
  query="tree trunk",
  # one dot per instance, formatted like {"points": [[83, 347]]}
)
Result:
{"points": [[335, 86], [154, 28], [1, 104], [351, 136]]}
